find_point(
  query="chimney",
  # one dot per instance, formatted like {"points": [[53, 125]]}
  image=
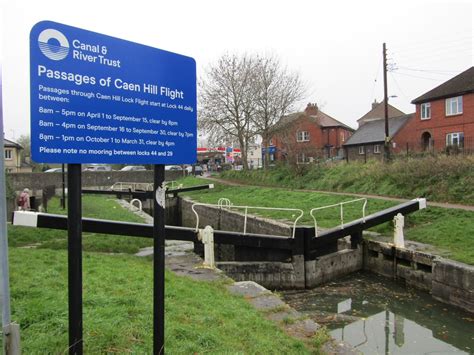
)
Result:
{"points": [[311, 109], [375, 104]]}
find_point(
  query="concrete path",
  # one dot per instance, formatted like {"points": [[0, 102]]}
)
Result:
{"points": [[378, 197]]}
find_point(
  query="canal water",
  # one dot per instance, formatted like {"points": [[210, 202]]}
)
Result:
{"points": [[377, 315]]}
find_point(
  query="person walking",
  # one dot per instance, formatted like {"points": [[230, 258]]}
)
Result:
{"points": [[24, 200]]}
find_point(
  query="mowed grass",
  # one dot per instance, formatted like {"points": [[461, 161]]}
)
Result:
{"points": [[451, 231], [201, 317], [94, 206]]}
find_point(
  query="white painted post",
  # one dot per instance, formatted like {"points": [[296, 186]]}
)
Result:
{"points": [[206, 235], [398, 237]]}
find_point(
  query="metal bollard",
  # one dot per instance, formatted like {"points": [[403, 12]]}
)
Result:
{"points": [[206, 235], [398, 237]]}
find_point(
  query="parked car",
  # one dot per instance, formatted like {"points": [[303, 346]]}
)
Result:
{"points": [[97, 168], [173, 168], [197, 170], [55, 170], [133, 168]]}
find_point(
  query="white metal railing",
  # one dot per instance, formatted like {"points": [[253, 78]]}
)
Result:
{"points": [[133, 186], [341, 206], [225, 203], [139, 204]]}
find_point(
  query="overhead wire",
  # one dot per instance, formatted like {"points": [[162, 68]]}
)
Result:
{"points": [[398, 86], [417, 76]]}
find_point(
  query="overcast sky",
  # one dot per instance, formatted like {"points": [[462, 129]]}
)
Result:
{"points": [[335, 45]]}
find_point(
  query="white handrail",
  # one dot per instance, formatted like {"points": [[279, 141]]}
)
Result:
{"points": [[341, 204], [124, 186], [224, 202], [246, 208]]}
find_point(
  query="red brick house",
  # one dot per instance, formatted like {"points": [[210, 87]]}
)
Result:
{"points": [[304, 136], [444, 118]]}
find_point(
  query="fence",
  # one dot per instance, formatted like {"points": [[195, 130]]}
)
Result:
{"points": [[462, 146]]}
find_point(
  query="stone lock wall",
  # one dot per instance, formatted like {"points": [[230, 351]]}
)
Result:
{"points": [[453, 283]]}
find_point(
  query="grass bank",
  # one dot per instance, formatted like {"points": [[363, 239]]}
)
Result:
{"points": [[440, 178], [201, 317], [448, 230]]}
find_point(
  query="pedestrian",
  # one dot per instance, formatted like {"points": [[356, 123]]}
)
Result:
{"points": [[24, 200]]}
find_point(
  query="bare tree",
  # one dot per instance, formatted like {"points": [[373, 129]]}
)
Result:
{"points": [[226, 101], [276, 90]]}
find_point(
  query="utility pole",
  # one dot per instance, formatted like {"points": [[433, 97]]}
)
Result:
{"points": [[385, 100]]}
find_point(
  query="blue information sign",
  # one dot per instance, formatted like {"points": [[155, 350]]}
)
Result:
{"points": [[100, 99]]}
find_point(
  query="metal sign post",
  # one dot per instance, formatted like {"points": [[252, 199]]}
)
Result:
{"points": [[159, 260], [92, 101], [74, 248]]}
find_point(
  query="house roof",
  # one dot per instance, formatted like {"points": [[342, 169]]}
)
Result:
{"points": [[11, 144], [459, 85], [378, 111], [374, 131], [322, 119]]}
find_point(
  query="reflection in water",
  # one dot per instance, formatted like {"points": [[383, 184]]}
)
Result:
{"points": [[378, 316]]}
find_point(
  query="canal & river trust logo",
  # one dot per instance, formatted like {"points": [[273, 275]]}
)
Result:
{"points": [[53, 44]]}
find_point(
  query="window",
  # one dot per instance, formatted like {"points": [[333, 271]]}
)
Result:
{"points": [[8, 154], [454, 106], [361, 149], [343, 137], [426, 111], [376, 149], [271, 142], [302, 136], [301, 158], [455, 139]]}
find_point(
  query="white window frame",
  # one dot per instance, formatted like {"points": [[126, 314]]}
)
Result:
{"points": [[458, 136], [377, 149], [302, 136], [8, 154], [453, 106], [301, 158], [425, 111], [361, 150]]}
